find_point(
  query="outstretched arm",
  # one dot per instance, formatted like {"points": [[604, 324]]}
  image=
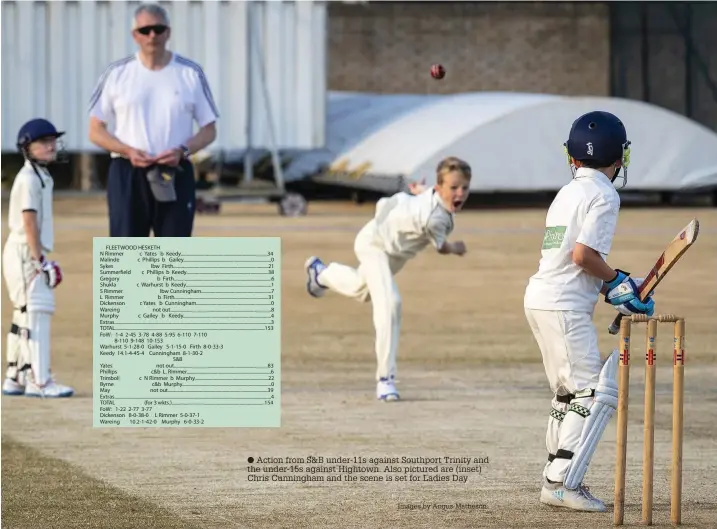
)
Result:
{"points": [[438, 230]]}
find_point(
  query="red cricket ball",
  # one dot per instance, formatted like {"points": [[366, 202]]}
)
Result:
{"points": [[438, 71]]}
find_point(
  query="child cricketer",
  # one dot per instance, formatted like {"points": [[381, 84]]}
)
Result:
{"points": [[30, 277], [404, 224], [560, 301]]}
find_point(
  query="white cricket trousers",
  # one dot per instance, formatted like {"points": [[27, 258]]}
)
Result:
{"points": [[568, 343], [372, 280], [28, 342]]}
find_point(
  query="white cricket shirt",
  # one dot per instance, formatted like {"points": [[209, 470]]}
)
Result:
{"points": [[31, 192], [153, 110], [405, 224], [584, 211]]}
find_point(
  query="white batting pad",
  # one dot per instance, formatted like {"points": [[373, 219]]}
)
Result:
{"points": [[552, 436], [13, 348], [601, 412], [40, 297], [18, 348], [570, 434], [14, 342], [557, 414], [39, 345]]}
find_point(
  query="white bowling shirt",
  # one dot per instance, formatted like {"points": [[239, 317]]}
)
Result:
{"points": [[31, 192], [584, 211], [153, 110], [406, 224]]}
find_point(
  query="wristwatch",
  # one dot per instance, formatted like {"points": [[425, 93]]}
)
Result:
{"points": [[185, 151]]}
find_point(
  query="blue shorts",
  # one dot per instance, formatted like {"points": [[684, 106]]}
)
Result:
{"points": [[133, 211]]}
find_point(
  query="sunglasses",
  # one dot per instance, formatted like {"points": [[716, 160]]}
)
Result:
{"points": [[158, 29]]}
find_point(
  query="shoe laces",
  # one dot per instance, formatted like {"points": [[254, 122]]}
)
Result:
{"points": [[317, 267], [585, 490], [50, 380]]}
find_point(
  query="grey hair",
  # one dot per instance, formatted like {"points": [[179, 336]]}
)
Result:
{"points": [[153, 9]]}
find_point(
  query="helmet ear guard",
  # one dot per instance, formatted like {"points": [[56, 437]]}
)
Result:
{"points": [[622, 164], [626, 154], [24, 142], [571, 163]]}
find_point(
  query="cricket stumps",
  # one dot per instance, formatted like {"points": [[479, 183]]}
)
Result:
{"points": [[648, 455]]}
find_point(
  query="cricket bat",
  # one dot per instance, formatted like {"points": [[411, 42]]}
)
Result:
{"points": [[674, 251]]}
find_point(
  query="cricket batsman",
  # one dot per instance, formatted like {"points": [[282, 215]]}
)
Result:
{"points": [[560, 301], [29, 275], [404, 224]]}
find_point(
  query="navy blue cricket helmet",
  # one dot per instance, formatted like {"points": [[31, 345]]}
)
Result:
{"points": [[37, 129], [600, 139]]}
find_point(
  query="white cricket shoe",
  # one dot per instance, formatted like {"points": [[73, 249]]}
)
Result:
{"points": [[51, 390], [386, 390], [12, 387], [579, 499], [314, 266]]}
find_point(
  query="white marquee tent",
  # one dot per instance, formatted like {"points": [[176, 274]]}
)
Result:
{"points": [[513, 141]]}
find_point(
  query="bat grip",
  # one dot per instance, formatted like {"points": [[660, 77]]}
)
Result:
{"points": [[615, 325]]}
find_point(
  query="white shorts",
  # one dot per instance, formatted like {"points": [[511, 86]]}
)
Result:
{"points": [[569, 345]]}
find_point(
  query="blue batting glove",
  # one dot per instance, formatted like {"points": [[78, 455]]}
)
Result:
{"points": [[619, 278], [621, 290], [636, 306]]}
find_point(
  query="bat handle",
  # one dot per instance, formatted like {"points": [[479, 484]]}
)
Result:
{"points": [[615, 325]]}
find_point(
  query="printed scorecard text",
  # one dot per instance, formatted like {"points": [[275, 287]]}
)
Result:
{"points": [[187, 332]]}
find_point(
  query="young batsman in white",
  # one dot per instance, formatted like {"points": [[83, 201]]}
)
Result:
{"points": [[560, 301], [403, 225], [30, 277]]}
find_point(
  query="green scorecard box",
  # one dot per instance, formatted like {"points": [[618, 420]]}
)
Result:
{"points": [[187, 332]]}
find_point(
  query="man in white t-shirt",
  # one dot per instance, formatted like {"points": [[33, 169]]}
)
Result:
{"points": [[154, 98], [403, 225], [560, 301], [29, 275]]}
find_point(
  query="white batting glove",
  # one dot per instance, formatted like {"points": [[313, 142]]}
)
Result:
{"points": [[51, 271]]}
